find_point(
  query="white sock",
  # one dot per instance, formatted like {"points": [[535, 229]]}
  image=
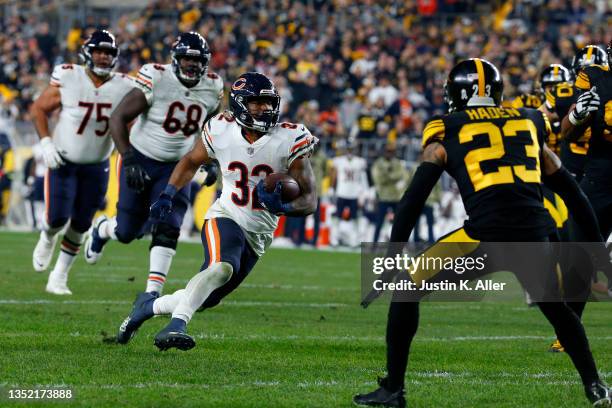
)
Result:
{"points": [[71, 244], [160, 259], [200, 287], [167, 303], [107, 229]]}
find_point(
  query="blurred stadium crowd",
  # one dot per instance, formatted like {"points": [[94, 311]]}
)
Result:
{"points": [[371, 71]]}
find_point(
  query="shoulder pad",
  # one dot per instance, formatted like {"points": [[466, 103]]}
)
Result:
{"points": [[212, 75]]}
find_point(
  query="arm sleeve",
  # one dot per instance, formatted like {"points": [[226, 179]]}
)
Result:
{"points": [[564, 184], [411, 205]]}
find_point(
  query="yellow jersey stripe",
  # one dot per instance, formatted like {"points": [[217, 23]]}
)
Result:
{"points": [[481, 77], [434, 131], [583, 82], [517, 102]]}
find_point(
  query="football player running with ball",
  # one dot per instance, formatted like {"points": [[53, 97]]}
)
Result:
{"points": [[499, 160], [171, 103], [249, 145], [77, 154]]}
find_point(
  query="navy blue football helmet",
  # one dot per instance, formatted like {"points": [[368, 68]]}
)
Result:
{"points": [[192, 45], [587, 56], [253, 86], [100, 39]]}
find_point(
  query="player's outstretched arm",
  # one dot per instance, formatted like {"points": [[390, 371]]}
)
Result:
{"points": [[133, 104], [306, 203], [580, 114], [411, 205], [558, 179]]}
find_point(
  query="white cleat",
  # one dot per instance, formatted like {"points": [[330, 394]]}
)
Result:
{"points": [[92, 257], [43, 252], [55, 287]]}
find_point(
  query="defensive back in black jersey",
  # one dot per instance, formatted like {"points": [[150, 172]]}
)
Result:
{"points": [[494, 155], [573, 154], [599, 163]]}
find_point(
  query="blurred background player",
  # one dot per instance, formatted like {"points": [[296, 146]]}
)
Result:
{"points": [[249, 145], [77, 154], [558, 103], [593, 109], [390, 177], [349, 179], [170, 102]]}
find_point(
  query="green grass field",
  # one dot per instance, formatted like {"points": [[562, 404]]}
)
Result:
{"points": [[292, 336]]}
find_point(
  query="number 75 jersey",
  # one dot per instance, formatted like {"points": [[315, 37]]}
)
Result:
{"points": [[165, 131], [82, 131], [494, 155], [244, 164]]}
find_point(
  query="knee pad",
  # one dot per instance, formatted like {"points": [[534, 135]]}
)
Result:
{"points": [[221, 272], [124, 238], [164, 235]]}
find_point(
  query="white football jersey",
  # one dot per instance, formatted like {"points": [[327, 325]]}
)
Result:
{"points": [[244, 164], [166, 131], [351, 176], [82, 131]]}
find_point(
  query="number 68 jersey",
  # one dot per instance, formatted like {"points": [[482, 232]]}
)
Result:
{"points": [[165, 132], [244, 164], [494, 156], [81, 134]]}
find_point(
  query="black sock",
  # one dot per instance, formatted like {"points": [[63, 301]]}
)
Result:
{"points": [[570, 333], [402, 325]]}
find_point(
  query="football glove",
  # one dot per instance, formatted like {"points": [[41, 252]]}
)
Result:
{"points": [[212, 173], [51, 156], [161, 208], [587, 103], [272, 201], [135, 176]]}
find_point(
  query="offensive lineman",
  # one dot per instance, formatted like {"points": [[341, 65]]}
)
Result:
{"points": [[77, 154], [172, 102], [238, 228]]}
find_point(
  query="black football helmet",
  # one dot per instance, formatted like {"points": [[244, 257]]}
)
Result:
{"points": [[473, 82], [609, 50], [100, 39], [190, 44], [587, 56], [252, 86], [554, 74]]}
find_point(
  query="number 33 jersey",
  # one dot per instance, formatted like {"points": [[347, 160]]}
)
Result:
{"points": [[81, 134], [494, 155], [165, 132], [243, 164]]}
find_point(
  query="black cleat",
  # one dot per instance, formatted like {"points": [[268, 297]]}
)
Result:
{"points": [[141, 312], [599, 394], [174, 336], [381, 397]]}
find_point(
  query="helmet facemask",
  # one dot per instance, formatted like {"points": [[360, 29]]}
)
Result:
{"points": [[262, 121], [103, 72]]}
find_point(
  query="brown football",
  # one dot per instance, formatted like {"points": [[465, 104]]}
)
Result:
{"points": [[290, 190]]}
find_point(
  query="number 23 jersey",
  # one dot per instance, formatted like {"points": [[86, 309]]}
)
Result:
{"points": [[165, 132], [81, 134], [243, 164], [494, 155]]}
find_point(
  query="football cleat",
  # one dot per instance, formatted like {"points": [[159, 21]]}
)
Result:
{"points": [[174, 336], [43, 252], [599, 394], [381, 397], [57, 287], [141, 312], [94, 244], [556, 347]]}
